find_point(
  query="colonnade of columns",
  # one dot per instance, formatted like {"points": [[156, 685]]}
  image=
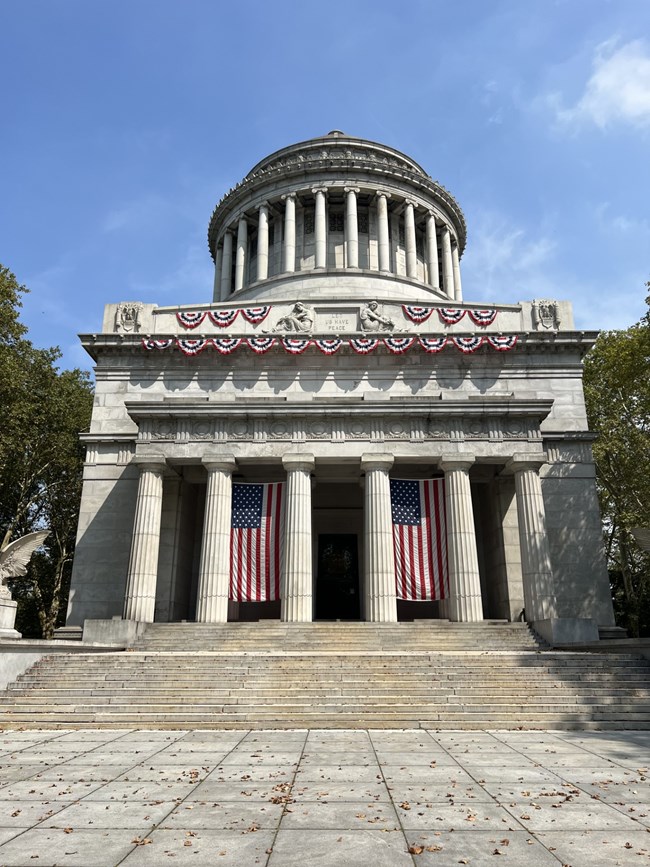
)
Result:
{"points": [[237, 236], [464, 602]]}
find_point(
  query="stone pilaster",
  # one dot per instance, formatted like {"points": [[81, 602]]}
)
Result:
{"points": [[432, 250], [383, 242], [214, 568], [226, 266], [409, 240], [263, 242], [289, 248], [297, 565], [240, 261], [447, 264], [465, 602], [140, 599], [537, 574], [458, 289], [351, 228], [320, 226], [380, 593]]}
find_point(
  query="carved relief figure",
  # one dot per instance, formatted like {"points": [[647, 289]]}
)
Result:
{"points": [[127, 317], [372, 319], [545, 314], [299, 321]]}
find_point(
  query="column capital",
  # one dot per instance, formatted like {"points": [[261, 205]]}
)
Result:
{"points": [[410, 203], [224, 463], [305, 462], [376, 462], [355, 190], [152, 463], [264, 205], [319, 190], [287, 196], [525, 461], [445, 228], [456, 462], [379, 194], [431, 213]]}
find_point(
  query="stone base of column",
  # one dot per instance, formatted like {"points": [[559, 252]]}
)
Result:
{"points": [[566, 630], [381, 609], [297, 609], [114, 631], [466, 609]]}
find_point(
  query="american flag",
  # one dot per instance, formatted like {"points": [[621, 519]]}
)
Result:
{"points": [[420, 538], [256, 541]]}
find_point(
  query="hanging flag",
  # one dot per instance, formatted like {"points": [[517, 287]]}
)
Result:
{"points": [[329, 345], [364, 345], [190, 319], [468, 344], [223, 318], [157, 342], [432, 344], [502, 342], [256, 540], [420, 539], [482, 317], [296, 345], [398, 345], [416, 313], [191, 346], [226, 345], [451, 315], [255, 315], [260, 345]]}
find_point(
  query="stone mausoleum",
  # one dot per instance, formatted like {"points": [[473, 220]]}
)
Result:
{"points": [[337, 355]]}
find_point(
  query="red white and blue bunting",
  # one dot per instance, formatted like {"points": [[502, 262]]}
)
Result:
{"points": [[329, 345], [255, 315], [482, 317], [153, 343], [190, 319], [226, 345], [364, 345], [503, 342], [223, 318], [398, 345], [450, 315], [417, 314], [295, 345], [467, 344], [260, 345], [432, 344], [192, 347]]}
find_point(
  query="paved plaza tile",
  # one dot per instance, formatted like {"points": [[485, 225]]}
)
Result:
{"points": [[350, 798]]}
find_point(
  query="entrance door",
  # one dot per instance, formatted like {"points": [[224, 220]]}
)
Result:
{"points": [[337, 578]]}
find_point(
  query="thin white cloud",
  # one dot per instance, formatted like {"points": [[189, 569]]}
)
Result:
{"points": [[618, 90]]}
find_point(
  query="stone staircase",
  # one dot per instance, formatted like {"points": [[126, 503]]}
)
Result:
{"points": [[431, 674]]}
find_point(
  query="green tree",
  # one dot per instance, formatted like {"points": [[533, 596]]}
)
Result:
{"points": [[41, 460], [617, 392]]}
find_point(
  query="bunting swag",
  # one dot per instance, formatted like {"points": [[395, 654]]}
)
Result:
{"points": [[503, 342], [260, 345], [153, 343], [420, 539], [450, 315], [295, 345], [482, 317], [191, 347], [256, 539], [223, 318], [417, 314], [255, 315], [364, 345], [190, 319], [432, 344], [467, 344], [329, 345], [226, 345], [397, 345]]}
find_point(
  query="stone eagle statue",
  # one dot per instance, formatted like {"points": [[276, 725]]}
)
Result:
{"points": [[15, 557]]}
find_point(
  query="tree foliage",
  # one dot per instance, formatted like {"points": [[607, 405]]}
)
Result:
{"points": [[617, 392], [41, 460]]}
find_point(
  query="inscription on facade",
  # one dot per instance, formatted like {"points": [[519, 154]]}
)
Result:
{"points": [[336, 321]]}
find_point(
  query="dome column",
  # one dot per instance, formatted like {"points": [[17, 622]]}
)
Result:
{"points": [[289, 248], [409, 239], [351, 228], [458, 289], [447, 264], [383, 242], [380, 591], [240, 261], [226, 265], [432, 251], [263, 242], [320, 226]]}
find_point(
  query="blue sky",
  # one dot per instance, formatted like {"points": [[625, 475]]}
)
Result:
{"points": [[124, 122]]}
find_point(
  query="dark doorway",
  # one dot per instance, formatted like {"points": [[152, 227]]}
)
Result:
{"points": [[337, 578]]}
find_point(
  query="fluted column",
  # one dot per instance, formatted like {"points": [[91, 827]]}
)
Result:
{"points": [[140, 599], [320, 227], [447, 264], [383, 242], [263, 242], [226, 266], [214, 567], [351, 228], [432, 250], [380, 592], [458, 289], [289, 248], [297, 568], [537, 573], [216, 291], [465, 602], [409, 240], [240, 261]]}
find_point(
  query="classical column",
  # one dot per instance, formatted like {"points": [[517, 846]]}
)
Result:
{"points": [[140, 599], [240, 261], [226, 265], [447, 264], [214, 567], [351, 228], [263, 242], [381, 597], [537, 574], [383, 242], [216, 291], [320, 227], [432, 251], [297, 573], [465, 602], [458, 289], [289, 249], [409, 240]]}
